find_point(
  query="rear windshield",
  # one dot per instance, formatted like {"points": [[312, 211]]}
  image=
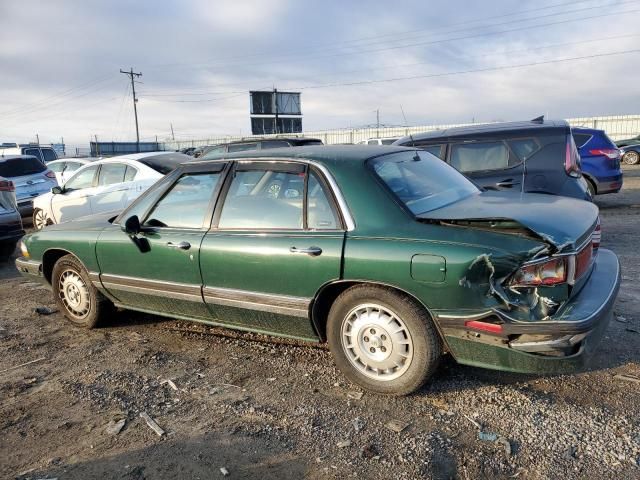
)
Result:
{"points": [[16, 167], [165, 163], [421, 181]]}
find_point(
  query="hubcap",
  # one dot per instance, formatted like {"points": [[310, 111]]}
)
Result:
{"points": [[74, 293], [631, 158], [377, 342], [40, 220]]}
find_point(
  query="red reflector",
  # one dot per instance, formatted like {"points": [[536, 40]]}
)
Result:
{"points": [[50, 174], [487, 327]]}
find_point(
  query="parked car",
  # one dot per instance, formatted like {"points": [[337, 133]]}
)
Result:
{"points": [[388, 254], [103, 186], [41, 152], [599, 160], [65, 167], [214, 151], [10, 221], [631, 154], [501, 156], [379, 141], [31, 178], [628, 141]]}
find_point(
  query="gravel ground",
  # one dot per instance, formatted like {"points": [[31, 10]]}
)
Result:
{"points": [[256, 408]]}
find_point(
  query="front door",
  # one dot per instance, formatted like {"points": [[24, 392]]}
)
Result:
{"points": [[159, 269], [276, 239], [75, 200]]}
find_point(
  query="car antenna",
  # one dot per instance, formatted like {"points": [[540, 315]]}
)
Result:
{"points": [[413, 143]]}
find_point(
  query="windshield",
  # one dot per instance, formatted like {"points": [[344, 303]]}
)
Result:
{"points": [[421, 181]]}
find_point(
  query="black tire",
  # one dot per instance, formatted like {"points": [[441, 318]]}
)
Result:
{"points": [[75, 295], [591, 187], [6, 250], [419, 330], [631, 157]]}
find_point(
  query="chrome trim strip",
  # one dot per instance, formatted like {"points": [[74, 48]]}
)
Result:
{"points": [[265, 302], [94, 277], [181, 291]]}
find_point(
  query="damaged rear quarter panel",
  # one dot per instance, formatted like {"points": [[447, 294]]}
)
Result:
{"points": [[475, 263]]}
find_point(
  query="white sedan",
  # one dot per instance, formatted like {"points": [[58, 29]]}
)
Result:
{"points": [[103, 186]]}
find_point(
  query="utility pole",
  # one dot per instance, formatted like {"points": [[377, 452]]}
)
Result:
{"points": [[97, 147], [37, 139], [275, 103], [132, 74], [173, 137], [377, 123]]}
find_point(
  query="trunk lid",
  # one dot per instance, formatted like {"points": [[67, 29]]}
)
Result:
{"points": [[565, 223]]}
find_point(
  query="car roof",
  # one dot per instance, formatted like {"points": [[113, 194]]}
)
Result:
{"points": [[488, 129], [13, 157], [325, 154], [138, 156]]}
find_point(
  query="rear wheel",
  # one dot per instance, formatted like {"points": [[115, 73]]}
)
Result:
{"points": [[40, 219], [591, 187], [631, 158], [75, 295], [383, 340]]}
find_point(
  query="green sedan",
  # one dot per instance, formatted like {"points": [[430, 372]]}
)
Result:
{"points": [[386, 253]]}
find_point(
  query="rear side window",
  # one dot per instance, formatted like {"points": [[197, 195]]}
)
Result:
{"points": [[435, 150], [480, 156], [388, 141], [16, 167], [49, 154], [523, 148], [372, 142], [111, 173], [581, 139], [243, 147], [130, 174], [273, 144]]}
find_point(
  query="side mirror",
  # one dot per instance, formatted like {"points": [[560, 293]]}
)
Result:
{"points": [[131, 225], [57, 190]]}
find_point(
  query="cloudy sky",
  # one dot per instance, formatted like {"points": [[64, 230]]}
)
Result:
{"points": [[441, 61]]}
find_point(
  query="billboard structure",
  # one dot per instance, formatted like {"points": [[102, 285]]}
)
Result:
{"points": [[275, 112]]}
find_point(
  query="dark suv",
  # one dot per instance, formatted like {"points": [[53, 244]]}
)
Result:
{"points": [[501, 156], [257, 144]]}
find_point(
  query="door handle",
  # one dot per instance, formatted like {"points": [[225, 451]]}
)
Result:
{"points": [[313, 251], [507, 183], [181, 245]]}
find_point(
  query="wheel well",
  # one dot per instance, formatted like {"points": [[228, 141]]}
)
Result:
{"points": [[591, 181], [49, 259], [329, 293]]}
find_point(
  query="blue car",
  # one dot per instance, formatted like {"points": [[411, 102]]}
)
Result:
{"points": [[600, 159]]}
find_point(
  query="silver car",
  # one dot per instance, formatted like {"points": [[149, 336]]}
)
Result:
{"points": [[10, 222], [31, 178]]}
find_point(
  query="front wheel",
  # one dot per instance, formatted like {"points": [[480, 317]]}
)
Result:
{"points": [[40, 219], [631, 158], [383, 340], [75, 295]]}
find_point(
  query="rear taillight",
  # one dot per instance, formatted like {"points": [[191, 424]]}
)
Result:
{"points": [[611, 153], [50, 174], [596, 236], [549, 272], [7, 186], [571, 158]]}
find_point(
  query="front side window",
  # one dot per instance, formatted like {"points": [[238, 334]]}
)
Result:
{"points": [[82, 179], [479, 156], [421, 182], [264, 199], [72, 166], [111, 173], [49, 154], [35, 152], [186, 205]]}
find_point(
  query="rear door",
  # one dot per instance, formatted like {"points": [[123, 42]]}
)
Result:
{"points": [[75, 200], [276, 239]]}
